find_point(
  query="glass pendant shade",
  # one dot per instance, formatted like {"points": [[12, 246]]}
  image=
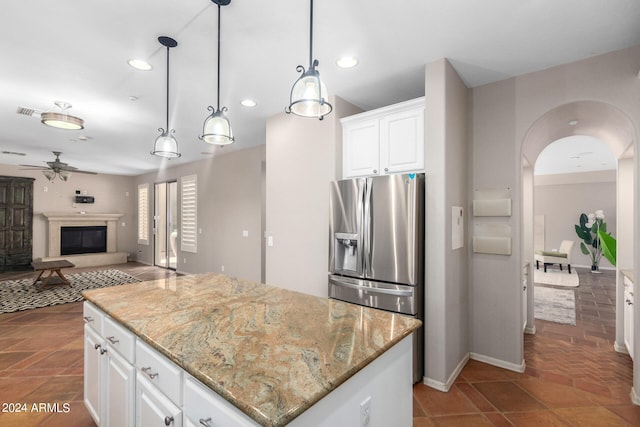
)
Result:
{"points": [[166, 145], [49, 174], [309, 95], [217, 129]]}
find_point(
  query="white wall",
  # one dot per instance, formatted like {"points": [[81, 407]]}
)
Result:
{"points": [[301, 162], [229, 201], [446, 291], [113, 194], [561, 204]]}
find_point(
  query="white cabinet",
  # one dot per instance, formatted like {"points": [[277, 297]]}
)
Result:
{"points": [[109, 383], [153, 408], [93, 373], [204, 407], [628, 315], [383, 141]]}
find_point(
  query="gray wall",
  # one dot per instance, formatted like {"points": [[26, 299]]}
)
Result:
{"points": [[301, 162], [562, 203], [446, 299], [502, 113], [113, 194], [229, 201]]}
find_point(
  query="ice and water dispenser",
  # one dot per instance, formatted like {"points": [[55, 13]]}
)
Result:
{"points": [[346, 252]]}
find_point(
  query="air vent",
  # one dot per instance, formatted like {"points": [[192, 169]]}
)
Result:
{"points": [[26, 111]]}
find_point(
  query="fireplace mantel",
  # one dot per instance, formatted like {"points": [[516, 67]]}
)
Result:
{"points": [[70, 219]]}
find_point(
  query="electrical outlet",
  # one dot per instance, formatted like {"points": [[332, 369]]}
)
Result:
{"points": [[222, 268], [365, 412]]}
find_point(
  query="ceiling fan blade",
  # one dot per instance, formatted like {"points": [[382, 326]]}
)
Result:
{"points": [[34, 166], [87, 172]]}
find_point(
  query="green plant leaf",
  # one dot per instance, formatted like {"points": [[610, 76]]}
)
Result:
{"points": [[608, 243], [583, 234], [584, 249], [583, 220], [603, 228]]}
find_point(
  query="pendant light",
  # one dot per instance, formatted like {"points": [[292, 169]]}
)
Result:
{"points": [[217, 129], [62, 120], [166, 145], [309, 97]]}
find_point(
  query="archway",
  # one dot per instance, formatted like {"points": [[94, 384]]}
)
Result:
{"points": [[613, 127]]}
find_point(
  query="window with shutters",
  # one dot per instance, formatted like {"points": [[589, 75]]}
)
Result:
{"points": [[189, 213], [143, 214]]}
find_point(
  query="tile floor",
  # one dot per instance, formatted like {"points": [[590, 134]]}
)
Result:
{"points": [[573, 376]]}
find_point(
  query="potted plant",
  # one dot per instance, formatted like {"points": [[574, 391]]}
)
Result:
{"points": [[596, 242]]}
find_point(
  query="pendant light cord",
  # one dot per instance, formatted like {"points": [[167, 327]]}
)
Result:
{"points": [[311, 36], [167, 89], [218, 56]]}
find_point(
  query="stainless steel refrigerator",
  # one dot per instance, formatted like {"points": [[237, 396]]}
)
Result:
{"points": [[376, 247]]}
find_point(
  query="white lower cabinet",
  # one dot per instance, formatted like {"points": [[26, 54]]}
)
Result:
{"points": [[120, 390], [153, 408], [94, 367], [628, 315], [203, 407]]}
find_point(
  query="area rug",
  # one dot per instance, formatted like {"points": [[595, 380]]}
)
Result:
{"points": [[555, 305], [556, 278], [17, 295]]}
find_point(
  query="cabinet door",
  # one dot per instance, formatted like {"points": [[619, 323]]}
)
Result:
{"points": [[120, 385], [402, 141], [361, 150], [153, 408], [93, 373], [628, 322]]}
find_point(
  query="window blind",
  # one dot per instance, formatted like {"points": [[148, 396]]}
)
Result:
{"points": [[189, 213]]}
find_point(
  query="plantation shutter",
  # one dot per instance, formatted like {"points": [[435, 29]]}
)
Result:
{"points": [[189, 213], [143, 214]]}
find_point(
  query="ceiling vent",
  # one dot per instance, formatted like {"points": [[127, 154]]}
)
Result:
{"points": [[26, 111]]}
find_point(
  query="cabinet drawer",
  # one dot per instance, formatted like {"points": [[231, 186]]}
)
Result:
{"points": [[120, 339], [160, 371], [203, 406], [93, 316]]}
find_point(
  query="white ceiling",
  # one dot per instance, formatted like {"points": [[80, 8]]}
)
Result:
{"points": [[574, 154], [76, 51]]}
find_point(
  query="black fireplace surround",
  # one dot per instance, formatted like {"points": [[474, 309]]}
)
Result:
{"points": [[83, 240]]}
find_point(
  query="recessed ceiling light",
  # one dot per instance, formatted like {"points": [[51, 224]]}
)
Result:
{"points": [[133, 98], [207, 153], [573, 122], [248, 102], [347, 62], [83, 138], [139, 64]]}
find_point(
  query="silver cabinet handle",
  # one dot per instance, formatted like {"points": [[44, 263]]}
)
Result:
{"points": [[88, 319], [629, 302], [152, 375], [168, 420], [386, 169], [524, 288], [112, 340], [205, 423], [97, 346], [103, 350], [375, 171]]}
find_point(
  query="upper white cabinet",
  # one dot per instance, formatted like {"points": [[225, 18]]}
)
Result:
{"points": [[383, 141]]}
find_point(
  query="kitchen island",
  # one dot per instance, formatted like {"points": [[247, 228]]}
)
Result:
{"points": [[263, 355]]}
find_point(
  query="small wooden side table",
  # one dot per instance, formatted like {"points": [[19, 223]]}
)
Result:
{"points": [[51, 267]]}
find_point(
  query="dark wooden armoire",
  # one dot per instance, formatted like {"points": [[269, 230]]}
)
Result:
{"points": [[16, 223]]}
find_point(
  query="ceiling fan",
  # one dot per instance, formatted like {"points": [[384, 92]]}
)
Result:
{"points": [[58, 168]]}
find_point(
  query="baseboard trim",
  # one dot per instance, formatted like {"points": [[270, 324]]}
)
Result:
{"points": [[446, 386], [635, 399], [620, 348], [499, 363], [530, 330]]}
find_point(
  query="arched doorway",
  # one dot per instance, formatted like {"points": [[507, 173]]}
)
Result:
{"points": [[613, 127]]}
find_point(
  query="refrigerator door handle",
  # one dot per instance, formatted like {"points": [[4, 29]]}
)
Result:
{"points": [[367, 229], [395, 292]]}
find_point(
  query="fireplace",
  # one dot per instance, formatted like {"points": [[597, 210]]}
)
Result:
{"points": [[83, 240]]}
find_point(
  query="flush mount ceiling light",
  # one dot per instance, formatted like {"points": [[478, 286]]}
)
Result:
{"points": [[347, 62], [309, 94], [248, 103], [217, 129], [166, 145], [139, 64], [62, 120]]}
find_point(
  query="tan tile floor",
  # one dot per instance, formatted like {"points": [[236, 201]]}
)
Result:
{"points": [[573, 376]]}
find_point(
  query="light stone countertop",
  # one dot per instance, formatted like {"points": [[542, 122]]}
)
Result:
{"points": [[271, 352]]}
